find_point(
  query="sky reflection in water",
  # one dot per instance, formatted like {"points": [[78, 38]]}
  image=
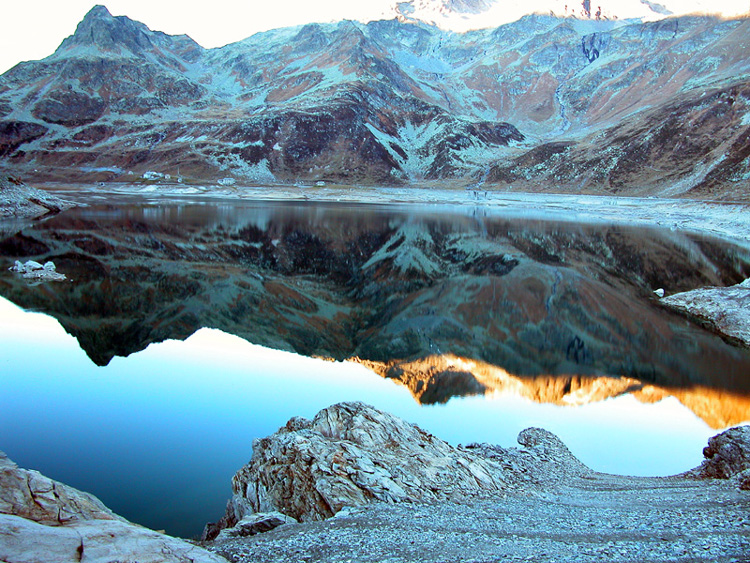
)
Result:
{"points": [[158, 435]]}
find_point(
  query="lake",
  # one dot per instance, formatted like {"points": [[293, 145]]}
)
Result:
{"points": [[187, 328]]}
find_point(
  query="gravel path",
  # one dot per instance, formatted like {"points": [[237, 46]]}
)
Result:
{"points": [[595, 518]]}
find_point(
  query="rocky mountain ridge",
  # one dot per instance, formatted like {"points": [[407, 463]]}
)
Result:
{"points": [[544, 103]]}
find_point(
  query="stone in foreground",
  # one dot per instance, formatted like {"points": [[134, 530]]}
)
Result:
{"points": [[349, 455], [43, 520]]}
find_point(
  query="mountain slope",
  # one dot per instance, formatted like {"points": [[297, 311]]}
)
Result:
{"points": [[543, 103]]}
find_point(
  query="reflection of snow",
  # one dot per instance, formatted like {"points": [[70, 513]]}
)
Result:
{"points": [[410, 250], [493, 13]]}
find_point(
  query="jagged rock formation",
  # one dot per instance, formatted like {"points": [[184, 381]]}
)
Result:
{"points": [[348, 455], [352, 455], [448, 307], [725, 309], [544, 103], [44, 520], [727, 457]]}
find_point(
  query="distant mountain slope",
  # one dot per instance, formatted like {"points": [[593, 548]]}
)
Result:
{"points": [[544, 103]]}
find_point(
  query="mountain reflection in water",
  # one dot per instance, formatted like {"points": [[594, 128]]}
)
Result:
{"points": [[446, 302]]}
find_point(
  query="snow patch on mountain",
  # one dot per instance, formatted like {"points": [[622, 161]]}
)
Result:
{"points": [[465, 15]]}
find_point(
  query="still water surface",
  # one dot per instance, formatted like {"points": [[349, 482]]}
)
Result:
{"points": [[158, 434]]}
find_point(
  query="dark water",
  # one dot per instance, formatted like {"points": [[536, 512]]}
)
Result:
{"points": [[101, 390]]}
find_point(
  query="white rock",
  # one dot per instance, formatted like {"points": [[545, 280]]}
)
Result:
{"points": [[94, 541], [659, 293], [254, 524], [349, 455], [33, 270]]}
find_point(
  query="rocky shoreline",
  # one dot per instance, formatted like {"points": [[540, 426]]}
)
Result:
{"points": [[358, 484], [17, 200], [397, 493], [726, 310]]}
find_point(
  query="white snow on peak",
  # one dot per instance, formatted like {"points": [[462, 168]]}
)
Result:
{"points": [[465, 15]]}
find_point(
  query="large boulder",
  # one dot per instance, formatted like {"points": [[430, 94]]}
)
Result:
{"points": [[43, 520], [351, 454], [728, 457], [725, 309]]}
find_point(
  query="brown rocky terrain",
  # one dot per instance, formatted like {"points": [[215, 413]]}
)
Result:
{"points": [[448, 306], [545, 103]]}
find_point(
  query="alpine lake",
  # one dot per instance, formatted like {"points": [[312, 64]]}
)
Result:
{"points": [[188, 327]]}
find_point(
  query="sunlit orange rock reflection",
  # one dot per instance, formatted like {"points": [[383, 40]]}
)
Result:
{"points": [[437, 378]]}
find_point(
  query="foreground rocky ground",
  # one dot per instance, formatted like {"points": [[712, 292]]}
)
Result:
{"points": [[606, 519], [536, 503], [398, 494], [42, 520]]}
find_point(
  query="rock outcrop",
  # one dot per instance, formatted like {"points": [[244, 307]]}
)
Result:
{"points": [[21, 201], [351, 454], [44, 520], [725, 309], [727, 457]]}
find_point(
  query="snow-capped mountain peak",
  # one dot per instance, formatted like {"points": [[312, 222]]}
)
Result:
{"points": [[464, 15]]}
